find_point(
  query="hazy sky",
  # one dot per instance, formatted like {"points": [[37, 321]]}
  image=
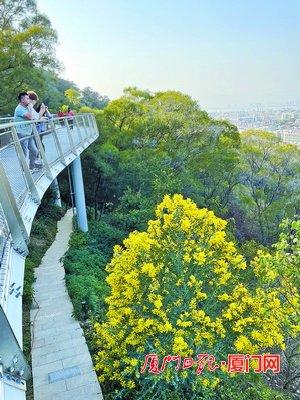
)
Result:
{"points": [[221, 52]]}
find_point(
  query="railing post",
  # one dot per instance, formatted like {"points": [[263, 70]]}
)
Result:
{"points": [[42, 153], [28, 176], [57, 142], [88, 125], [94, 123], [78, 129], [56, 192], [70, 137], [12, 215], [85, 128]]}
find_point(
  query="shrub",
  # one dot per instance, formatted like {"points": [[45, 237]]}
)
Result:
{"points": [[85, 289], [103, 237], [180, 288], [85, 262]]}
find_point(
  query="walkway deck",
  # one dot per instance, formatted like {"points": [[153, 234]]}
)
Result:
{"points": [[61, 363]]}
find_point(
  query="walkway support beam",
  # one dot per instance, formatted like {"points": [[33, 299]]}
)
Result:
{"points": [[78, 190], [56, 192]]}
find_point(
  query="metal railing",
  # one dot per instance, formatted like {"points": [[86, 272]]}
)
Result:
{"points": [[6, 119], [45, 143], [32, 153]]}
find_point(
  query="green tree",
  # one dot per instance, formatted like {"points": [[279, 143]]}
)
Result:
{"points": [[27, 45], [93, 99], [279, 269], [73, 96], [123, 112], [269, 189], [167, 144]]}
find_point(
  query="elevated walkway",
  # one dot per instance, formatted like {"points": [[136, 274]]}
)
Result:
{"points": [[22, 189]]}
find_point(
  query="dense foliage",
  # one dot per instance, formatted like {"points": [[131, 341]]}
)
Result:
{"points": [[151, 145], [27, 43], [180, 288], [28, 60], [85, 268]]}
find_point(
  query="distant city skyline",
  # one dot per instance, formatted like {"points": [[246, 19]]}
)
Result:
{"points": [[224, 53], [292, 105], [285, 123]]}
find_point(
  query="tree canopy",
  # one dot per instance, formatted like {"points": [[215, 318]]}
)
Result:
{"points": [[27, 45]]}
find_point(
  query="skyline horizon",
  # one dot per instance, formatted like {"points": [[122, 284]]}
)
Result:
{"points": [[222, 54], [253, 105]]}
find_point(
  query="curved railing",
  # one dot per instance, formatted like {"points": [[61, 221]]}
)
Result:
{"points": [[59, 142]]}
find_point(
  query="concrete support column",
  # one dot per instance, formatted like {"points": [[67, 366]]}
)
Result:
{"points": [[56, 193], [78, 190]]}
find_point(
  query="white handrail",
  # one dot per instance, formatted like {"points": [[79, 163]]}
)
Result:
{"points": [[22, 189]]}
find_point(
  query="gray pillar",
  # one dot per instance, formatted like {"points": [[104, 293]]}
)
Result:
{"points": [[56, 193], [78, 190]]}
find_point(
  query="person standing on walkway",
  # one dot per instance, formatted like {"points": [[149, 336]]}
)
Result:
{"points": [[23, 113], [41, 126], [33, 100], [37, 115], [70, 114]]}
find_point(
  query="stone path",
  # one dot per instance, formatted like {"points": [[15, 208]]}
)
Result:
{"points": [[61, 363]]}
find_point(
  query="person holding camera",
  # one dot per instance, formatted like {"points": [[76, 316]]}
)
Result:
{"points": [[33, 101], [23, 113], [38, 112], [41, 126]]}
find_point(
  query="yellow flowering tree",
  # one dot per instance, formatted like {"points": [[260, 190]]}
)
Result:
{"points": [[181, 288]]}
